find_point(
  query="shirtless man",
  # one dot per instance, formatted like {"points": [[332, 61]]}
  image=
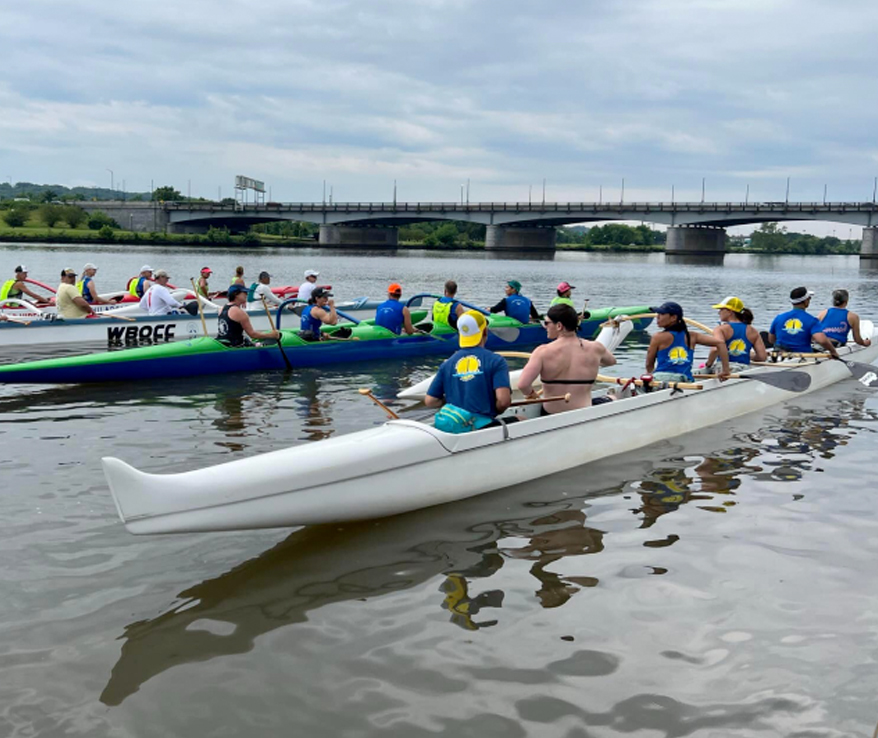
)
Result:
{"points": [[567, 364]]}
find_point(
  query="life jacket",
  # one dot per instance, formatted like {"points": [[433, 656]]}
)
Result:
{"points": [[835, 325], [229, 331], [84, 289], [445, 312], [677, 357], [251, 293], [562, 301], [6, 290], [739, 345], [389, 315], [135, 286], [518, 307]]}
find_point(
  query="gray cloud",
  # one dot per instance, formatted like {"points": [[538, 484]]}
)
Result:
{"points": [[433, 92]]}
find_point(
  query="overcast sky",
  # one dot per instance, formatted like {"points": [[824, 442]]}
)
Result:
{"points": [[434, 92]]}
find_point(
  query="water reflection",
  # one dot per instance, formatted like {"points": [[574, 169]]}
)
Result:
{"points": [[318, 566], [695, 259]]}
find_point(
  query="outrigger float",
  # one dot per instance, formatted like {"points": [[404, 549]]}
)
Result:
{"points": [[355, 341], [405, 465]]}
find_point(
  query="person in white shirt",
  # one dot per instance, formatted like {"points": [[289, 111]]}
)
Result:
{"points": [[261, 289], [307, 287], [158, 299], [69, 303]]}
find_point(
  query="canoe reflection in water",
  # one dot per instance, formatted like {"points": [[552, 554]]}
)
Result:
{"points": [[461, 544]]}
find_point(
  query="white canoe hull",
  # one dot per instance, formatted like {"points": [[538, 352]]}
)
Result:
{"points": [[404, 465]]}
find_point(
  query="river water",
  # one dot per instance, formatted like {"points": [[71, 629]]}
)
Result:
{"points": [[720, 583]]}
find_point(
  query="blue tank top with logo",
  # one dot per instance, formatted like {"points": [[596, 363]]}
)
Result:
{"points": [[389, 315], [835, 325], [675, 358], [739, 345], [793, 329], [309, 322], [518, 307]]}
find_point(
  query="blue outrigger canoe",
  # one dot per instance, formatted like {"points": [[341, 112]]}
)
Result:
{"points": [[353, 342]]}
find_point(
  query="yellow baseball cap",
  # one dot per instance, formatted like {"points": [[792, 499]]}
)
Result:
{"points": [[470, 326], [735, 304]]}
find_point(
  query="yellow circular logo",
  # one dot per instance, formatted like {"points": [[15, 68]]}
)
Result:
{"points": [[678, 355], [467, 367], [737, 347], [793, 326]]}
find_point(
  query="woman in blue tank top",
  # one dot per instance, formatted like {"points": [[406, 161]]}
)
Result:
{"points": [[837, 322], [670, 354], [740, 337], [316, 314]]}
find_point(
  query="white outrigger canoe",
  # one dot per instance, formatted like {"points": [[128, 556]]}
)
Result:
{"points": [[30, 325], [405, 465]]}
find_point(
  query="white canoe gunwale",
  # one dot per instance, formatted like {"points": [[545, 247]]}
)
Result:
{"points": [[405, 465]]}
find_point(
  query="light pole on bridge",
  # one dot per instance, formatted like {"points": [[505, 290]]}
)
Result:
{"points": [[112, 180], [544, 192], [622, 196], [703, 183], [787, 198]]}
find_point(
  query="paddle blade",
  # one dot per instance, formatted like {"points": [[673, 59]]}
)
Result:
{"points": [[866, 374], [510, 335], [791, 380]]}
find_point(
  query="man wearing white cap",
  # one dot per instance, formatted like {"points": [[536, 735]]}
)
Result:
{"points": [[16, 288], [87, 288], [138, 285], [472, 387], [307, 287], [158, 299], [796, 329]]}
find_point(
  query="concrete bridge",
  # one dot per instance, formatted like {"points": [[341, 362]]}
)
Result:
{"points": [[693, 228]]}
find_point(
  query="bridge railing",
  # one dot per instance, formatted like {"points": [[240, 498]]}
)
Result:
{"points": [[531, 207]]}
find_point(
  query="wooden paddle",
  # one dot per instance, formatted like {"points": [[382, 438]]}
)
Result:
{"points": [[790, 380], [276, 333], [618, 319], [117, 317], [19, 321], [366, 392], [658, 384], [200, 310], [536, 400]]}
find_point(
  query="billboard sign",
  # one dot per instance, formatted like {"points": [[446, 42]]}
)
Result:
{"points": [[246, 183]]}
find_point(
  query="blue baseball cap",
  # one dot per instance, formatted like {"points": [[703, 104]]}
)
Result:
{"points": [[234, 290], [668, 308]]}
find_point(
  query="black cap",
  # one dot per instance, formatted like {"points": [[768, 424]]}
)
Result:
{"points": [[800, 294], [320, 292], [234, 290], [668, 308]]}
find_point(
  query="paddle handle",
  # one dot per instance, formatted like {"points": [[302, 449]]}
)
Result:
{"points": [[658, 384], [200, 310], [117, 317], [538, 400], [615, 321], [366, 392], [513, 354], [17, 320]]}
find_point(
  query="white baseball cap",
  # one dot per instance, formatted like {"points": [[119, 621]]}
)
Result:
{"points": [[146, 268], [89, 266], [311, 273], [21, 268]]}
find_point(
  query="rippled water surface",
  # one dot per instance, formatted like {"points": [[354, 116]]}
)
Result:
{"points": [[719, 583]]}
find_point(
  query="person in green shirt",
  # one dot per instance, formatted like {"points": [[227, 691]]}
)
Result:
{"points": [[564, 298]]}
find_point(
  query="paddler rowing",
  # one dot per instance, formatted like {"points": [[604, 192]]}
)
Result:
{"points": [[565, 365], [670, 353]]}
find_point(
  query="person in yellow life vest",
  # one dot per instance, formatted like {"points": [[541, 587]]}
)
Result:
{"points": [[16, 288], [138, 285], [239, 277], [565, 292], [86, 286], [446, 309], [203, 287], [70, 303]]}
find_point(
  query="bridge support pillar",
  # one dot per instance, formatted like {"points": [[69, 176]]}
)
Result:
{"points": [[514, 238], [696, 240], [375, 237], [869, 247]]}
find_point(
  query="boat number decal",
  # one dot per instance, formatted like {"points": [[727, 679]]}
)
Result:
{"points": [[138, 333]]}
